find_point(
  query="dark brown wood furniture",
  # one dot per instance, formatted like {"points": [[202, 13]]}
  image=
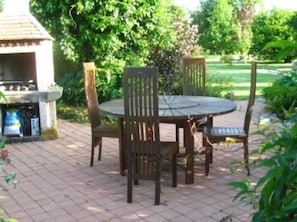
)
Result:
{"points": [[194, 76], [240, 135], [98, 129], [178, 109], [145, 151], [194, 84]]}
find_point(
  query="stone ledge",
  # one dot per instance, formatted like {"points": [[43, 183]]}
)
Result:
{"points": [[31, 96]]}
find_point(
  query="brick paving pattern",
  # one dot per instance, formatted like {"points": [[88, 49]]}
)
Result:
{"points": [[56, 182]]}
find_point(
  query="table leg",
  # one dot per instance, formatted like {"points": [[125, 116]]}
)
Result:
{"points": [[189, 145], [122, 148]]}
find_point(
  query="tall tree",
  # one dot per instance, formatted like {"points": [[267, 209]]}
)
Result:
{"points": [[217, 29], [225, 23], [105, 31], [244, 13], [268, 27]]}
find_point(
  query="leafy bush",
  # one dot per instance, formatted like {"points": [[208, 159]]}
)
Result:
{"points": [[281, 96], [5, 162], [108, 87], [274, 196], [168, 58], [73, 88]]}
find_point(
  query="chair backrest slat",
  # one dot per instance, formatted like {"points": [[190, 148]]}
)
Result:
{"points": [[91, 93], [194, 76], [251, 101], [141, 119]]}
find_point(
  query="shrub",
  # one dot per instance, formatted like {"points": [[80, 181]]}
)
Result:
{"points": [[73, 89], [274, 196], [282, 94], [108, 87]]}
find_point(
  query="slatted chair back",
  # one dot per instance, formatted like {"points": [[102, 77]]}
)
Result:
{"points": [[145, 151], [194, 76], [251, 101], [141, 122], [91, 94]]}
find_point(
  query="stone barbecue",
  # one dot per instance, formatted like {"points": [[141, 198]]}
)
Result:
{"points": [[27, 72]]}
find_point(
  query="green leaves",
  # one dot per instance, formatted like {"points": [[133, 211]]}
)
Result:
{"points": [[275, 192], [243, 186]]}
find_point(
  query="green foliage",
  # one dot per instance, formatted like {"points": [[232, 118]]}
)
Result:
{"points": [[274, 196], [169, 58], [4, 163], [225, 26], [293, 23], [271, 26], [108, 87], [217, 27], [282, 94], [1, 5], [218, 85], [227, 59], [286, 49], [5, 220], [73, 88], [113, 34], [78, 114]]}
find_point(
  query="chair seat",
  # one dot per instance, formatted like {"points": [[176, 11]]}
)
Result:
{"points": [[224, 132], [107, 130]]}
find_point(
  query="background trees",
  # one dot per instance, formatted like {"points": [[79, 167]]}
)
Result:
{"points": [[268, 27], [225, 25], [113, 33]]}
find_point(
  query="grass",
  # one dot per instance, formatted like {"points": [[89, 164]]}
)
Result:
{"points": [[239, 75]]}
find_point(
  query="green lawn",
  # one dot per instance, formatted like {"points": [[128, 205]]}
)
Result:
{"points": [[239, 74]]}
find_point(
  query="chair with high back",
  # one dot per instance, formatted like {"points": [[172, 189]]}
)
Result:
{"points": [[213, 134], [194, 76], [98, 129], [145, 151], [194, 81]]}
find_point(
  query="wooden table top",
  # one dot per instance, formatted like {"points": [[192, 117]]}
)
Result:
{"points": [[178, 106]]}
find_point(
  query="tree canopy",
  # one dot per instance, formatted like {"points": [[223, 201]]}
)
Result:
{"points": [[224, 25], [268, 27], [106, 31]]}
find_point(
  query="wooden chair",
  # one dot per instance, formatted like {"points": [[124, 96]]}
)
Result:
{"points": [[194, 76], [241, 135], [194, 80], [98, 129], [145, 151]]}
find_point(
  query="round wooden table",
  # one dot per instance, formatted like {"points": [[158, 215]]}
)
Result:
{"points": [[176, 109]]}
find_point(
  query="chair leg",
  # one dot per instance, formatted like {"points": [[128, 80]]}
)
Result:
{"points": [[246, 157], [100, 151], [157, 189], [207, 159], [92, 155], [208, 154], [177, 136], [174, 171], [129, 187]]}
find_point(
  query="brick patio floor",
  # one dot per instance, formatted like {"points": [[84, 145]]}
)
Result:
{"points": [[56, 182]]}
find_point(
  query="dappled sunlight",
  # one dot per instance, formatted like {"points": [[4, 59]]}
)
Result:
{"points": [[74, 146], [3, 197], [95, 209]]}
